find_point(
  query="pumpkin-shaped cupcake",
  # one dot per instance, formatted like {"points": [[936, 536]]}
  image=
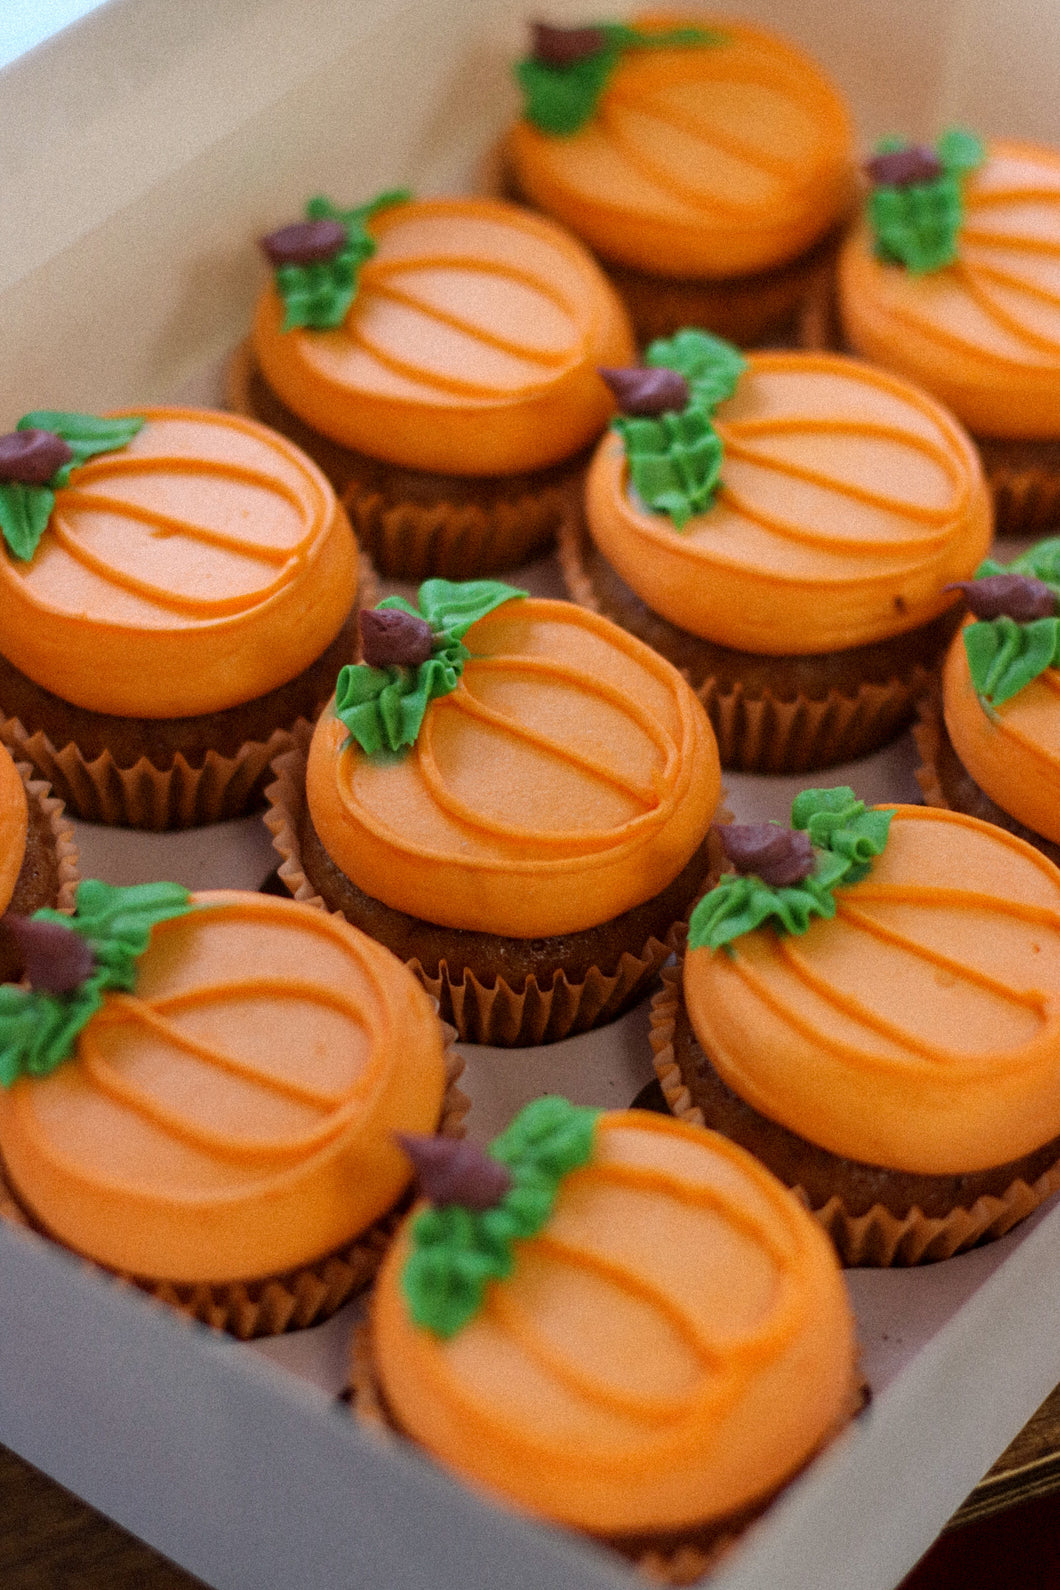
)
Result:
{"points": [[871, 1004], [783, 528], [515, 796], [201, 1091], [721, 1355], [440, 364], [990, 738], [704, 162], [952, 280], [176, 592], [38, 854]]}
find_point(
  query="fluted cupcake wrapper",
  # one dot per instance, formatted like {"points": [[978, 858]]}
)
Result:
{"points": [[412, 540], [878, 1237], [481, 1013], [53, 814], [306, 1295], [760, 732]]}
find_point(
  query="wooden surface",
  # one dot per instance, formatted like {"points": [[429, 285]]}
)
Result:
{"points": [[1006, 1534]]}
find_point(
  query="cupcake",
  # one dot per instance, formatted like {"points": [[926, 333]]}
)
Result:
{"points": [[952, 280], [721, 1357], [708, 165], [38, 855], [990, 739], [869, 1003], [176, 593], [782, 528], [439, 363], [515, 796], [200, 1093]]}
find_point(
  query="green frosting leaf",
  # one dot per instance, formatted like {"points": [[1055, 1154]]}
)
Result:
{"points": [[26, 510], [38, 1030], [456, 1252], [917, 225], [383, 708], [1003, 655], [319, 295], [710, 365], [675, 458], [674, 461], [561, 99], [848, 838]]}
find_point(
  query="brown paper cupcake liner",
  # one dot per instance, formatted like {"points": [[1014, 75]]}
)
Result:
{"points": [[878, 1237], [481, 1013], [52, 813], [681, 1558], [305, 1296], [409, 538], [761, 733]]}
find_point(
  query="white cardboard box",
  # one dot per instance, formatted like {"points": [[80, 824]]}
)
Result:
{"points": [[140, 153]]}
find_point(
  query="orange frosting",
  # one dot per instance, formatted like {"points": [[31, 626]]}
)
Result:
{"points": [[671, 1346], [570, 776], [14, 824], [848, 500], [233, 1117], [699, 161], [202, 565], [471, 347], [983, 334], [920, 1028], [1013, 750]]}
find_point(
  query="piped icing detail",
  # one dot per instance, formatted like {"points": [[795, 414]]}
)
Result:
{"points": [[675, 453], [318, 262], [919, 1028], [916, 208], [847, 501], [36, 460], [39, 1025], [779, 882], [457, 1250], [383, 706], [1017, 633], [569, 68], [471, 347], [570, 775], [203, 564]]}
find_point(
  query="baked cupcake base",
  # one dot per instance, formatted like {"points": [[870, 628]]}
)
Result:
{"points": [[494, 990], [49, 872], [164, 773], [773, 714], [412, 523], [297, 1298], [875, 1216], [945, 781]]}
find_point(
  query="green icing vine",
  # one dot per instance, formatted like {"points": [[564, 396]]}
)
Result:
{"points": [[26, 510], [561, 99], [319, 295], [917, 225], [675, 459], [848, 837], [456, 1252], [383, 708], [38, 1030], [1003, 655]]}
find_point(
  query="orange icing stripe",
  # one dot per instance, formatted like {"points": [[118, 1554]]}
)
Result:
{"points": [[123, 1165], [573, 1430]]}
